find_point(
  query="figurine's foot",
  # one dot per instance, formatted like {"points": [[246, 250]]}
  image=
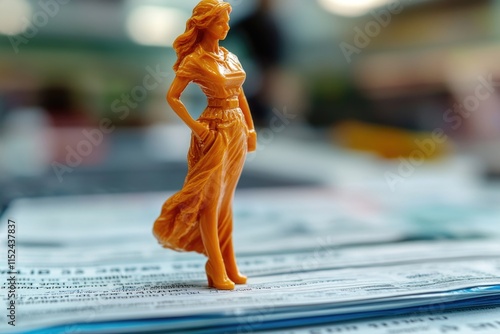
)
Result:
{"points": [[238, 278], [216, 281]]}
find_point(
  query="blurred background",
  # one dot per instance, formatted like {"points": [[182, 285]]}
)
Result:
{"points": [[344, 93]]}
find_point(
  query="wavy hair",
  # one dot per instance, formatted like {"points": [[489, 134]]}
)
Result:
{"points": [[203, 15]]}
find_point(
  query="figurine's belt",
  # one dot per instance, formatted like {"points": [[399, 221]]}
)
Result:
{"points": [[224, 103]]}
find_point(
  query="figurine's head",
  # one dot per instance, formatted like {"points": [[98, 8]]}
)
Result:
{"points": [[219, 25], [209, 17]]}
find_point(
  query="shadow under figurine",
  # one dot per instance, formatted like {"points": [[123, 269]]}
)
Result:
{"points": [[199, 217]]}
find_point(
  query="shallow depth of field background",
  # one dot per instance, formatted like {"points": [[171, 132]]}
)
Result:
{"points": [[408, 83]]}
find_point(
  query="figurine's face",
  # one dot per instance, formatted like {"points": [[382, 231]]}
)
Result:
{"points": [[220, 26]]}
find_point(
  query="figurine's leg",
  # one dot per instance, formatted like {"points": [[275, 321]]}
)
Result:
{"points": [[228, 249], [216, 271], [232, 175]]}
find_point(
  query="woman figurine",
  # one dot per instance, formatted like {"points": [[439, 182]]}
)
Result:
{"points": [[199, 217]]}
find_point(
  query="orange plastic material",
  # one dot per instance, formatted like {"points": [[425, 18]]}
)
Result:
{"points": [[199, 217]]}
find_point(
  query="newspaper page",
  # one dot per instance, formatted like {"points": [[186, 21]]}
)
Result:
{"points": [[91, 263]]}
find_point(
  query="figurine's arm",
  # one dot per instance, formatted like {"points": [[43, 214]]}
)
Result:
{"points": [[173, 99], [252, 136]]}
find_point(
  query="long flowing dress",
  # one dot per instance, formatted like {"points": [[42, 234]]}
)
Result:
{"points": [[215, 162]]}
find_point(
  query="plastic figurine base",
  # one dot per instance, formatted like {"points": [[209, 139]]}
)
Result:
{"points": [[199, 217]]}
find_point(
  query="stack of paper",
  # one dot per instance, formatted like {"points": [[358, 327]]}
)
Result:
{"points": [[86, 264]]}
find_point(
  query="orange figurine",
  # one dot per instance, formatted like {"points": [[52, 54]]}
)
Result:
{"points": [[199, 217]]}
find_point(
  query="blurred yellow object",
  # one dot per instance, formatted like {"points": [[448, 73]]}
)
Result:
{"points": [[390, 142]]}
